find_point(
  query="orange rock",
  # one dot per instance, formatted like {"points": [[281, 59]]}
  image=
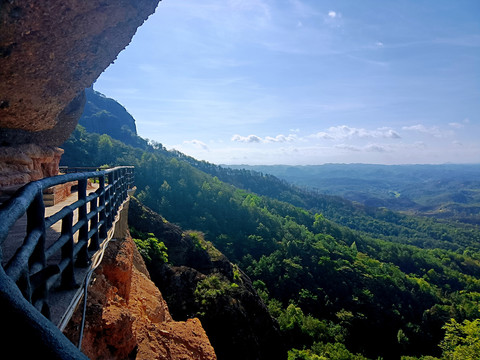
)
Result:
{"points": [[27, 162], [132, 320], [51, 50]]}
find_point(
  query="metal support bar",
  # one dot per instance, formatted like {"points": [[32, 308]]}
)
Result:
{"points": [[83, 258], [68, 274], [34, 270]]}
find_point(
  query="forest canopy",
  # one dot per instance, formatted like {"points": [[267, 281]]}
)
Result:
{"points": [[344, 281]]}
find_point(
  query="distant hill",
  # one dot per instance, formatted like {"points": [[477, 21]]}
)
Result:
{"points": [[447, 191], [103, 115]]}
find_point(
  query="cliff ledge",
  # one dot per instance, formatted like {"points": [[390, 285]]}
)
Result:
{"points": [[128, 318]]}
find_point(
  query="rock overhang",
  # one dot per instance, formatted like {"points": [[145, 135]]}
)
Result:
{"points": [[51, 50]]}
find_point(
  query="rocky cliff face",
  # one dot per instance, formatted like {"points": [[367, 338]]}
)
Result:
{"points": [[50, 51], [27, 162], [128, 318], [200, 281], [103, 115]]}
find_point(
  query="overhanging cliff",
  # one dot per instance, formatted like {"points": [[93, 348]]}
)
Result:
{"points": [[50, 51]]}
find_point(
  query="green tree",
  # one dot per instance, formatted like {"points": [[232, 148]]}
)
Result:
{"points": [[106, 149], [462, 341], [151, 249]]}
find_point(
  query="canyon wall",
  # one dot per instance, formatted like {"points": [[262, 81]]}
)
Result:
{"points": [[50, 51], [128, 318], [199, 280]]}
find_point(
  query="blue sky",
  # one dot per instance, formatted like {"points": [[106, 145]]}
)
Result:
{"points": [[306, 81]]}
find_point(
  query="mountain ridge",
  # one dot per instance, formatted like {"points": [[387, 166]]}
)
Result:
{"points": [[103, 115], [439, 191]]}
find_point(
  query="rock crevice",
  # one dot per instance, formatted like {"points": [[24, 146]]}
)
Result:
{"points": [[27, 162]]}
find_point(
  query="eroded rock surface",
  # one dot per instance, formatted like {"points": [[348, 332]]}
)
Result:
{"points": [[28, 162], [50, 51], [128, 318]]}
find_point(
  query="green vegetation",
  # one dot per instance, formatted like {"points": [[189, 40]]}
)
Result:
{"points": [[151, 249], [198, 239], [321, 351], [462, 341], [441, 191], [210, 289], [341, 279]]}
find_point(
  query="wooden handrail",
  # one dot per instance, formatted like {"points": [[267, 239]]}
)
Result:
{"points": [[35, 269]]}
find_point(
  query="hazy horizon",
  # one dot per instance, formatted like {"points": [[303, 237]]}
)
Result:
{"points": [[358, 163], [296, 82]]}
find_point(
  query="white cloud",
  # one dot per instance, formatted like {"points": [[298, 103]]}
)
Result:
{"points": [[197, 143], [332, 14], [432, 130], [281, 138], [268, 139], [346, 132], [322, 135], [418, 127], [379, 44], [333, 19], [392, 134], [348, 147], [376, 148], [456, 125], [341, 132], [247, 139], [368, 148]]}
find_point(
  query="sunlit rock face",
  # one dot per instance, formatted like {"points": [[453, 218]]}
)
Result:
{"points": [[29, 162], [127, 317], [50, 51]]}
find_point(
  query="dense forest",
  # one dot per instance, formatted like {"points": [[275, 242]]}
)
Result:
{"points": [[343, 281], [448, 191]]}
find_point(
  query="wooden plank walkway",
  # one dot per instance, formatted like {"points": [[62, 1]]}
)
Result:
{"points": [[59, 300]]}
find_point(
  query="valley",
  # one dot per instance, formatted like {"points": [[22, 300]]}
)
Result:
{"points": [[449, 191], [336, 278]]}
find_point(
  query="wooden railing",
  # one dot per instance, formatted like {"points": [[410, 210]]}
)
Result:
{"points": [[36, 269]]}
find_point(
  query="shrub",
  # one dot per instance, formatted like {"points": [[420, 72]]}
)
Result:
{"points": [[151, 249]]}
